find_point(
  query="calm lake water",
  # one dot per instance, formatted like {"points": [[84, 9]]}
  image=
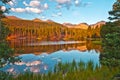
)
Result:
{"points": [[41, 57]]}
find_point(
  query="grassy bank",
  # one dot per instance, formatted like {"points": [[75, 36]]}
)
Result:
{"points": [[73, 71], [97, 42]]}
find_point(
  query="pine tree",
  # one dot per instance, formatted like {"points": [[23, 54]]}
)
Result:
{"points": [[111, 38], [115, 13], [6, 53]]}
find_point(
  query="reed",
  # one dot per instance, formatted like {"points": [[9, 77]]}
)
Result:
{"points": [[73, 71]]}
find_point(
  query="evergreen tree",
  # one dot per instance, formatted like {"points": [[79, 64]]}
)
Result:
{"points": [[6, 53], [111, 38], [115, 13]]}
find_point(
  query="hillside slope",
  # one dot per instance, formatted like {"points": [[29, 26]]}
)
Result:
{"points": [[50, 30]]}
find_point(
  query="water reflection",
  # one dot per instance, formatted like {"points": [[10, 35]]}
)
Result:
{"points": [[37, 47], [43, 62]]}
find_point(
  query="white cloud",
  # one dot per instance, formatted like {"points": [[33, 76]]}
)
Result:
{"points": [[69, 3], [11, 3], [27, 9], [25, 3], [82, 4], [34, 10], [59, 14], [13, 9], [63, 1], [34, 63], [46, 6], [3, 8], [35, 69], [77, 2], [19, 10], [43, 17], [34, 3], [33, 6], [10, 70]]}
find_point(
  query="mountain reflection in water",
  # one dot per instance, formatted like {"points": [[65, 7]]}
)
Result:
{"points": [[38, 47], [35, 58]]}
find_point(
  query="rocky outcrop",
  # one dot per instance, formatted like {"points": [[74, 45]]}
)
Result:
{"points": [[98, 24], [37, 20], [84, 25]]}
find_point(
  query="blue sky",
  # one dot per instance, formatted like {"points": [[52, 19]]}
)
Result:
{"points": [[70, 11]]}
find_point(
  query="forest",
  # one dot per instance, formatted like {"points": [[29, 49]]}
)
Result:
{"points": [[50, 31]]}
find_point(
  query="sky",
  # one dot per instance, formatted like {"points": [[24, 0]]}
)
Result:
{"points": [[62, 11]]}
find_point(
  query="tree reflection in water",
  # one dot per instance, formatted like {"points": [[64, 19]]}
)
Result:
{"points": [[21, 46]]}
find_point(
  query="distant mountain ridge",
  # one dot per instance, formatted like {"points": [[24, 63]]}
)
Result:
{"points": [[98, 24], [13, 17], [49, 20], [50, 30], [69, 25], [37, 20], [84, 25]]}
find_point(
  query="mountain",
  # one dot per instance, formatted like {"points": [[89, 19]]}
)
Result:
{"points": [[50, 30], [28, 23], [84, 25], [37, 20], [13, 17], [98, 24], [80, 26], [34, 29], [69, 25], [49, 20]]}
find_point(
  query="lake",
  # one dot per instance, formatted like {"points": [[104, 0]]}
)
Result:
{"points": [[42, 56]]}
